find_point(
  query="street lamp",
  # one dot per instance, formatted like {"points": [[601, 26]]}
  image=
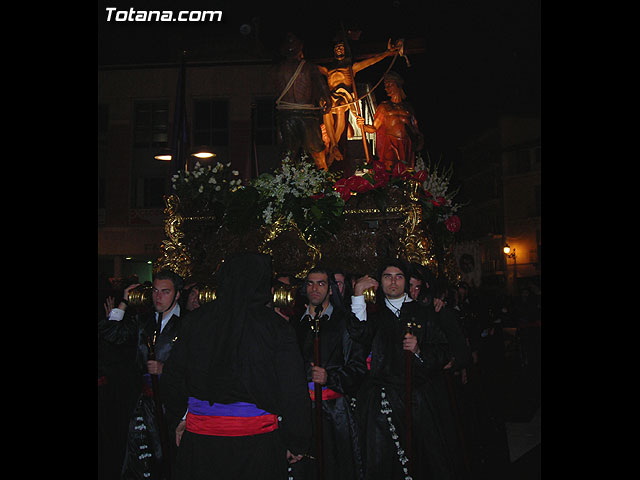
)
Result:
{"points": [[507, 251], [511, 253], [203, 152], [165, 155]]}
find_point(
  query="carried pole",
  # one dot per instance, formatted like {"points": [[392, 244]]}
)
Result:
{"points": [[408, 364], [164, 441], [317, 390]]}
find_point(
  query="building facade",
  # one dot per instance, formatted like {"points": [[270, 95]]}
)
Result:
{"points": [[499, 173], [229, 107]]}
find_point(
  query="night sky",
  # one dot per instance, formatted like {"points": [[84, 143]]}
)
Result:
{"points": [[479, 59]]}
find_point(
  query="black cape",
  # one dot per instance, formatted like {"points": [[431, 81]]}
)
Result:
{"points": [[346, 365], [235, 349], [381, 401], [143, 455]]}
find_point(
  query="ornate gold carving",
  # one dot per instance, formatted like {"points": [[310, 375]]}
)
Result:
{"points": [[278, 228], [174, 252], [375, 211], [414, 245], [194, 245]]}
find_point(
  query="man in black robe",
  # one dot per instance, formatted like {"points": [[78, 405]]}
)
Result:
{"points": [[153, 333], [237, 369], [341, 370], [434, 452]]}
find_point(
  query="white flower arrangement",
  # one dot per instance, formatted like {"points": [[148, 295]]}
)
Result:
{"points": [[437, 185], [201, 186], [300, 180]]}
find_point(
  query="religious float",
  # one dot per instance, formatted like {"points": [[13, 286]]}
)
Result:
{"points": [[303, 216], [394, 204]]}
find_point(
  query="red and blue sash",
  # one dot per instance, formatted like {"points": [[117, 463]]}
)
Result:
{"points": [[327, 393], [228, 420]]}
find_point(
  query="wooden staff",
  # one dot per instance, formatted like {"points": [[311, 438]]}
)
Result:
{"points": [[317, 389], [408, 365], [164, 441]]}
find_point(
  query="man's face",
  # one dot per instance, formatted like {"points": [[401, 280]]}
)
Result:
{"points": [[340, 282], [393, 282], [391, 87], [193, 301], [163, 295], [338, 51], [414, 287], [318, 289]]}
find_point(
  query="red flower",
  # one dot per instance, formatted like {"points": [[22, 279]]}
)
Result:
{"points": [[380, 175], [438, 202], [342, 188], [420, 176], [381, 180], [379, 167], [399, 170], [452, 223], [359, 184]]}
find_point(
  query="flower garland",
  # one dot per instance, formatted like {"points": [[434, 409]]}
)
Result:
{"points": [[302, 193], [202, 187], [385, 409], [434, 195], [376, 178], [291, 181]]}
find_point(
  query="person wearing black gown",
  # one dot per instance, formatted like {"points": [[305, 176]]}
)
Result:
{"points": [[433, 453], [237, 371], [145, 456], [341, 370]]}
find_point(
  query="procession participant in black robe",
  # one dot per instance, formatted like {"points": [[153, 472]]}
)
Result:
{"points": [[381, 401], [237, 370], [118, 387], [340, 372], [157, 330]]}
